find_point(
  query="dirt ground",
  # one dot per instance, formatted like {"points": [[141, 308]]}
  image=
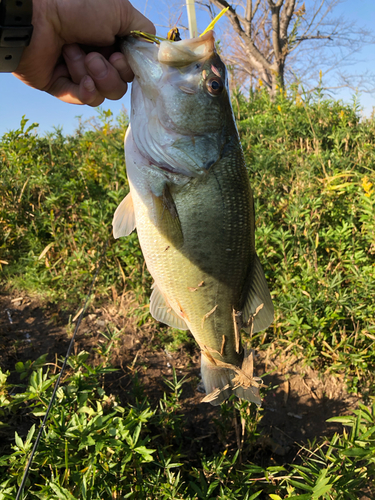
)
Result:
{"points": [[296, 406]]}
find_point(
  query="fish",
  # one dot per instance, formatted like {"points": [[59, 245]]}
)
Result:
{"points": [[191, 203]]}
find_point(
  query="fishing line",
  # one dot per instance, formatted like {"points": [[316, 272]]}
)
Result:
{"points": [[52, 400]]}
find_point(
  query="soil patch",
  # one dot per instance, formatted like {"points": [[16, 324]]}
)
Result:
{"points": [[297, 402]]}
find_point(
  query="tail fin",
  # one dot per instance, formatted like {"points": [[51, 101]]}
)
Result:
{"points": [[216, 381], [222, 379]]}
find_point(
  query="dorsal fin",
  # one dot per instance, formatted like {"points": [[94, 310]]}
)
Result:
{"points": [[124, 219], [257, 295], [161, 311]]}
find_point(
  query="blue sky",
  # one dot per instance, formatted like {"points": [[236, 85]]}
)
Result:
{"points": [[16, 99]]}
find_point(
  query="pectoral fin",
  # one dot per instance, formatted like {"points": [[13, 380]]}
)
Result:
{"points": [[124, 219], [161, 311], [257, 295], [167, 219]]}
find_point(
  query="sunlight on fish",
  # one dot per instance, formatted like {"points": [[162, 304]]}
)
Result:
{"points": [[190, 194]]}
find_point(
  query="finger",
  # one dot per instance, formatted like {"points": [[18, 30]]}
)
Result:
{"points": [[67, 91], [74, 58], [62, 87], [120, 63], [106, 78], [88, 93]]}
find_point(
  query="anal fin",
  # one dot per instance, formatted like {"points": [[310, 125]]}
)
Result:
{"points": [[161, 311], [258, 294], [124, 219]]}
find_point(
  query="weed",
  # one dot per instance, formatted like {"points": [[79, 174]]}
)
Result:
{"points": [[311, 165]]}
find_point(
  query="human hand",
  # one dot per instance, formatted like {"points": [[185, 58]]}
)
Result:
{"points": [[56, 62]]}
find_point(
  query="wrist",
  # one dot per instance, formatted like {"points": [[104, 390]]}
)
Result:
{"points": [[15, 32]]}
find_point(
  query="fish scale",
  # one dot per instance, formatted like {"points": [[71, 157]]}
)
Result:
{"points": [[222, 219], [191, 202]]}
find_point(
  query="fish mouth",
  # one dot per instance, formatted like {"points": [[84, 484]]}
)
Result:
{"points": [[167, 78], [185, 52], [142, 57], [146, 57]]}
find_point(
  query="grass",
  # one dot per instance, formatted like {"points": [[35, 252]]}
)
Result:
{"points": [[58, 196], [311, 165], [95, 448]]}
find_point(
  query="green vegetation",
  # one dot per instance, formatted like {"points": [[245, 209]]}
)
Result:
{"points": [[58, 199], [311, 165], [94, 448]]}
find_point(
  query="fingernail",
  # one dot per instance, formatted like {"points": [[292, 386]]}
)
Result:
{"points": [[88, 83], [97, 67]]}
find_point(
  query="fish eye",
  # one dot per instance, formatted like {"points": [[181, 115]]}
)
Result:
{"points": [[214, 85]]}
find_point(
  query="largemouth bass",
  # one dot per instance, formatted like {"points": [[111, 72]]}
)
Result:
{"points": [[191, 202]]}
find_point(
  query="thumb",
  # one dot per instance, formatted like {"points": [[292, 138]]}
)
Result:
{"points": [[134, 20]]}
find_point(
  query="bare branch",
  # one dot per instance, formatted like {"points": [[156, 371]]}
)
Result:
{"points": [[285, 19], [275, 11], [256, 8], [275, 40], [317, 37], [253, 51], [249, 15], [311, 24]]}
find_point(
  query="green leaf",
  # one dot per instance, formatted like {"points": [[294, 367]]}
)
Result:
{"points": [[18, 441], [256, 495], [86, 409], [358, 452], [62, 493], [145, 452], [20, 367], [321, 487], [345, 420], [305, 496], [136, 434], [30, 435], [302, 486]]}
